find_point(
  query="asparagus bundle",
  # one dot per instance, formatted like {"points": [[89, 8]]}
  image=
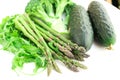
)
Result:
{"points": [[51, 43]]}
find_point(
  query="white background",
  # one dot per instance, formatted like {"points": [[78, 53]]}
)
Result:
{"points": [[102, 64]]}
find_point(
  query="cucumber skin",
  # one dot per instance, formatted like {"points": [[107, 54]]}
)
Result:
{"points": [[81, 31], [102, 25]]}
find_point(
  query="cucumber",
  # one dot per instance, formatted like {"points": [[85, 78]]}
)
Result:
{"points": [[103, 29], [80, 27]]}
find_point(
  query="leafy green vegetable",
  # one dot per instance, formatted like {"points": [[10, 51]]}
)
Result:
{"points": [[14, 41]]}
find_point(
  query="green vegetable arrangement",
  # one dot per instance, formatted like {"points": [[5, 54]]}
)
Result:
{"points": [[51, 30], [35, 36]]}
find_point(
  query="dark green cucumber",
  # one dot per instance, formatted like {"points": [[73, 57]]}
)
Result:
{"points": [[102, 25], [81, 31]]}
